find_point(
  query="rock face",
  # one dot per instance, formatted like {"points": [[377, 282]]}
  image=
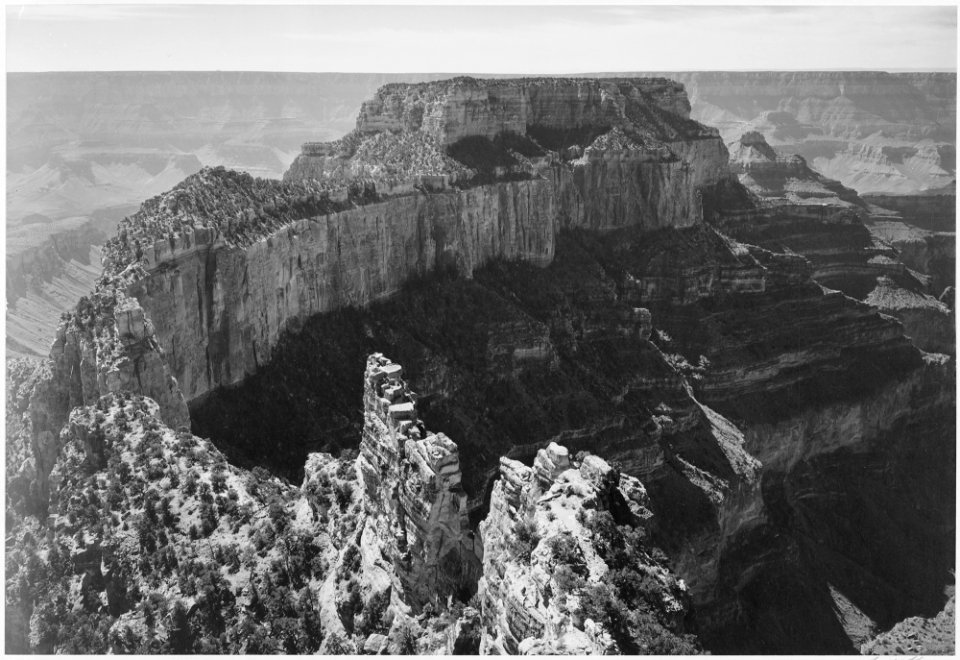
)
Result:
{"points": [[231, 262], [107, 345], [416, 507], [801, 211], [544, 561], [467, 107], [787, 181], [220, 310]]}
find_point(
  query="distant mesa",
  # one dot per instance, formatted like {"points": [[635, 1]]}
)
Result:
{"points": [[787, 180], [467, 131]]}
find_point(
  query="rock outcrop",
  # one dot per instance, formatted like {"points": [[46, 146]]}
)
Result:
{"points": [[229, 262], [550, 550], [107, 345], [415, 505]]}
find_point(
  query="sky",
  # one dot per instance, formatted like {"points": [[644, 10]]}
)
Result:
{"points": [[478, 39]]}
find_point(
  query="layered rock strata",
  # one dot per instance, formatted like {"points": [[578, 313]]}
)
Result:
{"points": [[930, 253], [107, 345], [803, 212], [416, 507], [230, 262], [542, 559], [871, 130], [788, 181]]}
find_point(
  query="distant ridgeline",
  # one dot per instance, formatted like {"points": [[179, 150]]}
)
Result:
{"points": [[446, 175]]}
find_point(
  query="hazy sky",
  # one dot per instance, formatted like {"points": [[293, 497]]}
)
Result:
{"points": [[477, 39]]}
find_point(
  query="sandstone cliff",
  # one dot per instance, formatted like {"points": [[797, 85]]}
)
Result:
{"points": [[230, 262], [565, 550], [415, 504]]}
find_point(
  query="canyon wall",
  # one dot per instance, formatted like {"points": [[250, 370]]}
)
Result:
{"points": [[415, 504], [532, 348], [867, 252], [219, 308], [873, 131]]}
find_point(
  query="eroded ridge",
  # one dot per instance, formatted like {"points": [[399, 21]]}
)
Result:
{"points": [[564, 547], [412, 492]]}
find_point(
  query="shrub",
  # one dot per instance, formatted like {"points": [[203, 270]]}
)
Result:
{"points": [[525, 538], [567, 580]]}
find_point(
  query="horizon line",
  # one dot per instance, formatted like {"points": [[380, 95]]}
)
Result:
{"points": [[504, 73]]}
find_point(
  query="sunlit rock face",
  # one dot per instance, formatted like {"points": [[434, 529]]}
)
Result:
{"points": [[416, 507], [545, 559], [230, 262]]}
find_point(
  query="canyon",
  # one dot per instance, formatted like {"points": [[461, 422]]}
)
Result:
{"points": [[873, 131], [93, 145], [662, 390]]}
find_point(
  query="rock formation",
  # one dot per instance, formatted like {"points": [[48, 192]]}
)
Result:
{"points": [[416, 507], [106, 346], [549, 549], [571, 282], [801, 211], [229, 262], [871, 130], [787, 181]]}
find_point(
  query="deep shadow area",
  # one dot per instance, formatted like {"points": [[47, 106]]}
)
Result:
{"points": [[859, 536], [509, 359], [518, 355]]}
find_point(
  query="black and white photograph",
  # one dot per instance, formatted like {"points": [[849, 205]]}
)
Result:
{"points": [[480, 329]]}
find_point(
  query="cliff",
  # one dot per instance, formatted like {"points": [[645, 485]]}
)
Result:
{"points": [[801, 211], [230, 261], [415, 504], [564, 547], [670, 347]]}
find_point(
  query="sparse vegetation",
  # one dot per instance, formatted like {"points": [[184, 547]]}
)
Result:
{"points": [[156, 565]]}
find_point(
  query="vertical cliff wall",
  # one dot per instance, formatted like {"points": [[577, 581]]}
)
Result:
{"points": [[222, 287], [416, 507]]}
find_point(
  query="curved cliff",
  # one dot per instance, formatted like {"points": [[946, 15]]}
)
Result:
{"points": [[231, 261]]}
